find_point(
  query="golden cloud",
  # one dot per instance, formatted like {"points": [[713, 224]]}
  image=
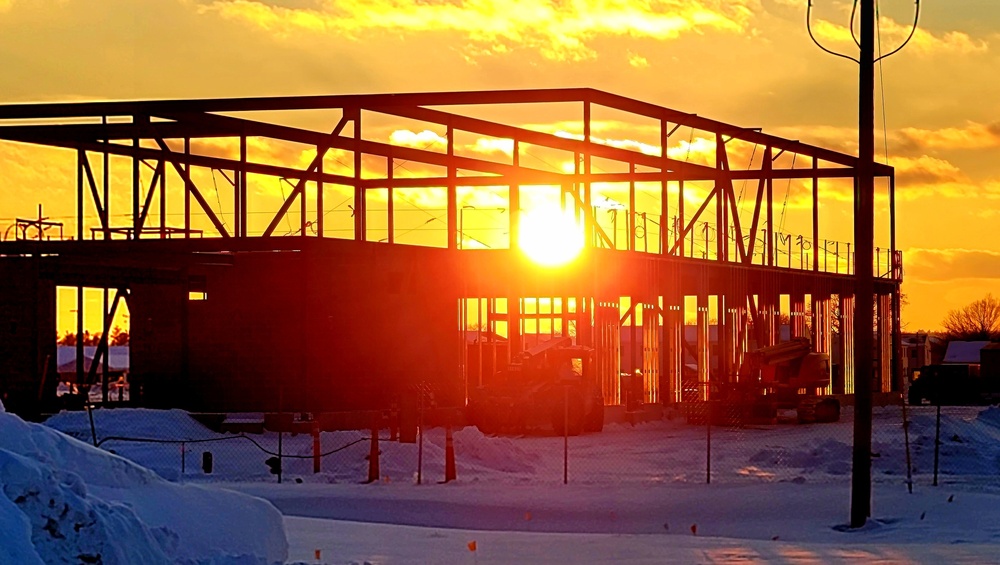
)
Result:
{"points": [[925, 170], [893, 34], [950, 264], [558, 29], [972, 136]]}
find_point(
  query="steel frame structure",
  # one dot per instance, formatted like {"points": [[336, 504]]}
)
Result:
{"points": [[741, 278]]}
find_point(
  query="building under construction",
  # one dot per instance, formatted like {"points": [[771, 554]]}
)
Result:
{"points": [[268, 264]]}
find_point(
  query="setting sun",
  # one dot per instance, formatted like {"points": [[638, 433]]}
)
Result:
{"points": [[550, 236]]}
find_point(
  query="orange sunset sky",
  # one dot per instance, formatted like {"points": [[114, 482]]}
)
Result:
{"points": [[748, 62]]}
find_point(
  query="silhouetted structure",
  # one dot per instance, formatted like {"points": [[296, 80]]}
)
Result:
{"points": [[230, 315]]}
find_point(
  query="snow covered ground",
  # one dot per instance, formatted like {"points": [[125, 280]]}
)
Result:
{"points": [[63, 501], [636, 494]]}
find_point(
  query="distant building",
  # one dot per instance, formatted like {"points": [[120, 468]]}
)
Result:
{"points": [[920, 350], [963, 352]]}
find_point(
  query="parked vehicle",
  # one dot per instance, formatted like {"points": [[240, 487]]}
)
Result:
{"points": [[550, 386], [953, 385]]}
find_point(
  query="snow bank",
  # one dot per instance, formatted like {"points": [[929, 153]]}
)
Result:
{"points": [[132, 422], [67, 502]]}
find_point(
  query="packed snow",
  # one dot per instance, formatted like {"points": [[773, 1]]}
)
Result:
{"points": [[68, 502], [636, 493]]}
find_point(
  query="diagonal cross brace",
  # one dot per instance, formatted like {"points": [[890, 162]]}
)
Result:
{"points": [[194, 190], [157, 174], [301, 184], [102, 346], [93, 190]]}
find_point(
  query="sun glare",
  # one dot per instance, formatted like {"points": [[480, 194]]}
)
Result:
{"points": [[550, 236]]}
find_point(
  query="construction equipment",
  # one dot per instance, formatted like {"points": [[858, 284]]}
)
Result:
{"points": [[785, 376], [550, 385]]}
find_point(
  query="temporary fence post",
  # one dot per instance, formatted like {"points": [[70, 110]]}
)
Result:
{"points": [[449, 455], [565, 435], [183, 460], [393, 423], [373, 454], [420, 446], [708, 442], [280, 462], [906, 440], [90, 413], [316, 447], [937, 443]]}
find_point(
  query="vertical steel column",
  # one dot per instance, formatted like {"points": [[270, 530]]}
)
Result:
{"points": [[81, 155], [187, 188], [797, 317], [514, 201], [723, 325], [243, 210], [680, 214], [360, 229], [664, 192], [239, 185], [106, 174], [839, 382], [897, 347], [453, 235], [303, 202], [815, 213], [319, 195], [821, 337], [163, 199], [390, 209], [703, 342], [848, 309], [135, 186], [105, 221], [721, 198], [589, 228], [631, 208], [769, 190]]}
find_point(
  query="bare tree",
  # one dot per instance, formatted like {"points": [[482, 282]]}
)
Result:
{"points": [[978, 321]]}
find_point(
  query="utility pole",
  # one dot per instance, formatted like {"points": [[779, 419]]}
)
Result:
{"points": [[864, 244]]}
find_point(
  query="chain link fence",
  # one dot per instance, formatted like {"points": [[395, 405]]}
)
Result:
{"points": [[700, 442]]}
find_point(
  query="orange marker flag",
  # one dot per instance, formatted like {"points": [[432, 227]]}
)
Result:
{"points": [[472, 545], [694, 529], [527, 516]]}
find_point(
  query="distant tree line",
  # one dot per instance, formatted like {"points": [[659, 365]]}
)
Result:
{"points": [[118, 337], [978, 321]]}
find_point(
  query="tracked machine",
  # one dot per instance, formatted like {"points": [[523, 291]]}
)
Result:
{"points": [[779, 378], [549, 386]]}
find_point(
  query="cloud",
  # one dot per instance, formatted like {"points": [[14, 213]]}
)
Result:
{"points": [[972, 136], [925, 170], [558, 29], [637, 61], [421, 140], [893, 34], [937, 265]]}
